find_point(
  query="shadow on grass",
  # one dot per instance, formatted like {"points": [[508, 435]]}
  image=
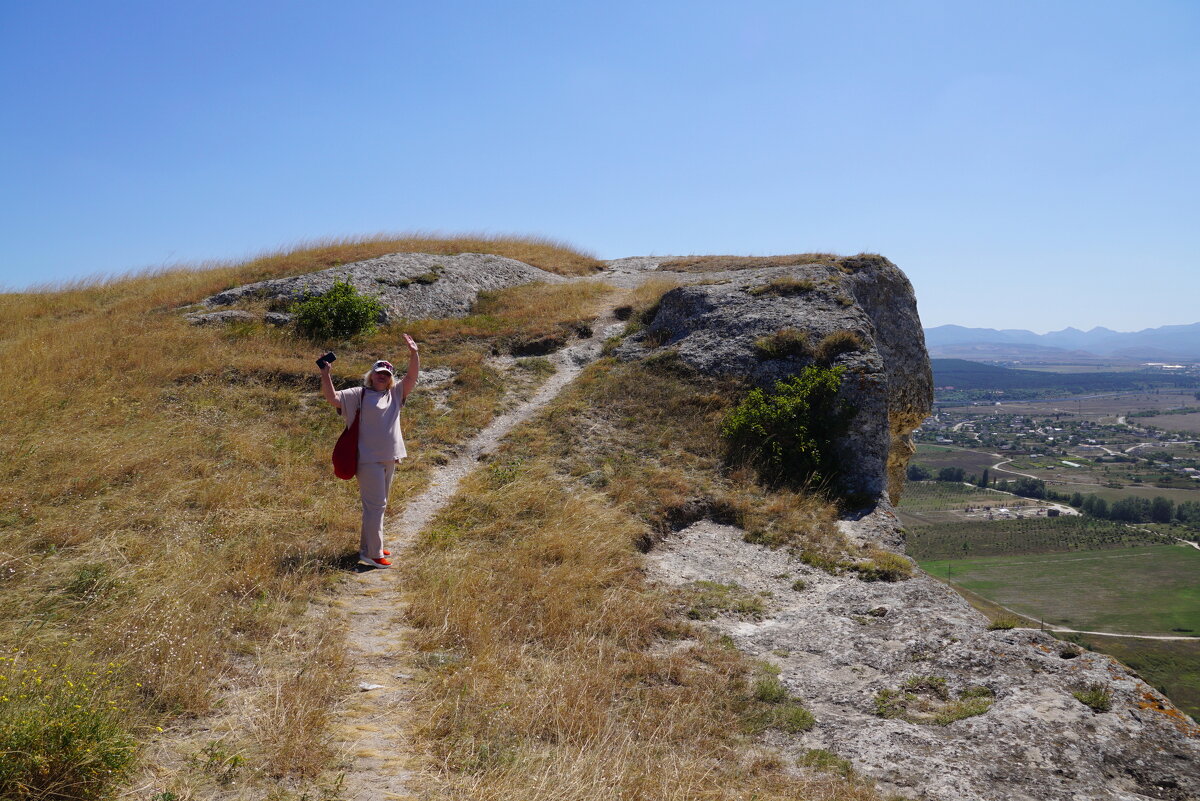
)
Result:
{"points": [[323, 562]]}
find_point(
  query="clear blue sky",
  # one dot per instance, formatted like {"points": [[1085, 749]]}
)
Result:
{"points": [[1028, 164]]}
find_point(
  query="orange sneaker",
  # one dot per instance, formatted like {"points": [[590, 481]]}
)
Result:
{"points": [[381, 562], [387, 553]]}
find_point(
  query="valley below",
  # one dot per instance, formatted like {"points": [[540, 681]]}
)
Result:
{"points": [[1071, 510]]}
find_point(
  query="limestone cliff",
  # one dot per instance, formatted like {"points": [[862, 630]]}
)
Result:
{"points": [[905, 678], [859, 313]]}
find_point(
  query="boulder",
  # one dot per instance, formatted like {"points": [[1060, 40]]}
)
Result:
{"points": [[853, 651], [410, 285]]}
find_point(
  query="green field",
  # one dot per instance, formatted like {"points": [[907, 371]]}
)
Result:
{"points": [[1140, 590], [932, 496], [936, 457], [1030, 535]]}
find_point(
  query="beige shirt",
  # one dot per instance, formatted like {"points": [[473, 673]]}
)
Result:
{"points": [[379, 436]]}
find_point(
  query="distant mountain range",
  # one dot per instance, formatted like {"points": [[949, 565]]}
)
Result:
{"points": [[1166, 343]]}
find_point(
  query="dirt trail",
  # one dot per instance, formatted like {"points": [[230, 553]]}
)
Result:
{"points": [[374, 722]]}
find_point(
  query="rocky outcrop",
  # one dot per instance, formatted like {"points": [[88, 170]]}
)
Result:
{"points": [[852, 650], [410, 285], [768, 323], [904, 678]]}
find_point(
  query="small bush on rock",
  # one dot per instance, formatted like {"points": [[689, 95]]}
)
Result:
{"points": [[341, 313], [883, 565], [1096, 696], [783, 287], [787, 434], [783, 343], [837, 343], [927, 700]]}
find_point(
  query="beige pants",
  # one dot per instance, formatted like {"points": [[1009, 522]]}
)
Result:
{"points": [[374, 480]]}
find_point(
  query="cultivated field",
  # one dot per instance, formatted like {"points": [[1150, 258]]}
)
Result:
{"points": [[1148, 491], [1173, 422], [936, 457], [1102, 407], [1028, 535], [932, 496], [928, 502], [1141, 590], [1083, 368]]}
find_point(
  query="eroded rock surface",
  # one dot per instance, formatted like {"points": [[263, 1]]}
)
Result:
{"points": [[410, 285], [718, 327], [839, 642]]}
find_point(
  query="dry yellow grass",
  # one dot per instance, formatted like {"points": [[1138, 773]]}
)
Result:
{"points": [[552, 671], [166, 502], [709, 264]]}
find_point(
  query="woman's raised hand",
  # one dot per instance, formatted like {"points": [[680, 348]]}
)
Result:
{"points": [[412, 345]]}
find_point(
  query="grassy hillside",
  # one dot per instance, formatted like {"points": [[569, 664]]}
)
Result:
{"points": [[171, 535], [168, 510], [551, 669]]}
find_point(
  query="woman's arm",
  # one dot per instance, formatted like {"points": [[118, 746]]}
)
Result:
{"points": [[414, 367], [327, 387]]}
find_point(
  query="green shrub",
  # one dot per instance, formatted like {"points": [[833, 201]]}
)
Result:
{"points": [[341, 313], [787, 434], [1004, 623], [61, 733], [783, 343], [1096, 696]]}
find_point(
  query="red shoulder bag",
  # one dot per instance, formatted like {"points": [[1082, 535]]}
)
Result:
{"points": [[345, 452]]}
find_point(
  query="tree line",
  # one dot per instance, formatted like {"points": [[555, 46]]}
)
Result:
{"points": [[1126, 510]]}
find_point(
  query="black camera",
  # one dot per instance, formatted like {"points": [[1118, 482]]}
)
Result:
{"points": [[326, 359]]}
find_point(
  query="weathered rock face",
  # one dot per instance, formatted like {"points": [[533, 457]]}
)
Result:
{"points": [[410, 285], [714, 327], [905, 679], [841, 644]]}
